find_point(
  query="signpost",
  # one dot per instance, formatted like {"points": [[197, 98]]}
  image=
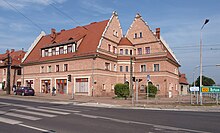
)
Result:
{"points": [[194, 89], [148, 79], [211, 89]]}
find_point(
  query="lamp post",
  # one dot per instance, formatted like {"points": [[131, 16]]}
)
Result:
{"points": [[206, 21]]}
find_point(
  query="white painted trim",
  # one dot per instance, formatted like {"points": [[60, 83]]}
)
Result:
{"points": [[67, 89], [33, 45], [89, 88], [51, 82], [169, 50]]}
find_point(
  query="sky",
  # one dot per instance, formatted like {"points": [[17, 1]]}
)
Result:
{"points": [[21, 21]]}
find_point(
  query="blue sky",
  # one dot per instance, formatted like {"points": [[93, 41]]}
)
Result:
{"points": [[180, 22]]}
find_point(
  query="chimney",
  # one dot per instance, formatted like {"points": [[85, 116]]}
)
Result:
{"points": [[12, 50], [7, 51], [158, 33], [53, 31], [62, 30], [53, 34]]}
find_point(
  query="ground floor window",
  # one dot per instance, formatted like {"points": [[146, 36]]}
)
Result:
{"points": [[29, 83], [45, 86], [61, 86], [18, 83], [81, 85]]}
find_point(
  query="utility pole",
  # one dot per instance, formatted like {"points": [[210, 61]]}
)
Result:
{"points": [[8, 74], [131, 81]]}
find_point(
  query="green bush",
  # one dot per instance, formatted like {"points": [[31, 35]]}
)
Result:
{"points": [[152, 90], [122, 90]]}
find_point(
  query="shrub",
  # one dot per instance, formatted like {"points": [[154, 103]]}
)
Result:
{"points": [[122, 90], [152, 90]]}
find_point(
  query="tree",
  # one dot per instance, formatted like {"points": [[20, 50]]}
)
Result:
{"points": [[152, 90], [206, 81], [122, 90]]}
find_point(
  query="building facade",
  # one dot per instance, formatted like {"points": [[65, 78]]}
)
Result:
{"points": [[91, 59], [15, 69]]}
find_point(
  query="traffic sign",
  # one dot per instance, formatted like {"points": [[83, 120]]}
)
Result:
{"points": [[194, 88], [210, 89]]}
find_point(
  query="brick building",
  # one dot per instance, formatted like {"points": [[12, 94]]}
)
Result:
{"points": [[91, 59], [15, 73]]}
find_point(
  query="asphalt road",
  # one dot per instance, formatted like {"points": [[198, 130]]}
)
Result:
{"points": [[42, 117]]}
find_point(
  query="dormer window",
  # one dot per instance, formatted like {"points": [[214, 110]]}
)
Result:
{"points": [[61, 50], [121, 51], [53, 51], [46, 52], [126, 51], [69, 49]]}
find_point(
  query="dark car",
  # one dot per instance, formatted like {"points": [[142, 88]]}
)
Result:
{"points": [[25, 91]]}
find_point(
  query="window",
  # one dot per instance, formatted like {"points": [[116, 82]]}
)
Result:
{"points": [[130, 52], [53, 51], [156, 67], [126, 68], [4, 72], [121, 68], [135, 35], [107, 66], [46, 52], [69, 49], [49, 69], [109, 48], [147, 50], [126, 51], [103, 86], [65, 68], [115, 67], [143, 68], [121, 51], [57, 68], [61, 51], [140, 34], [158, 87], [139, 51], [18, 71], [114, 49], [42, 69]]}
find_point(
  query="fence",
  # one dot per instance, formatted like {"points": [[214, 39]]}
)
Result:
{"points": [[176, 99]]}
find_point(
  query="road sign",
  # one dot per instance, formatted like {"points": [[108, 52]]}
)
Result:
{"points": [[194, 88], [210, 89]]}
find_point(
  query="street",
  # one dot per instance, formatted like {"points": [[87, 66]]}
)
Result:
{"points": [[48, 117]]}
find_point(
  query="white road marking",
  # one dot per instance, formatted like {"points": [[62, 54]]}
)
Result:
{"points": [[20, 115], [17, 105], [34, 113], [35, 128], [49, 111], [73, 111], [9, 121], [140, 123]]}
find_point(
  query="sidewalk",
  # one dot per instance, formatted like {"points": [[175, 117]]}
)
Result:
{"points": [[109, 102]]}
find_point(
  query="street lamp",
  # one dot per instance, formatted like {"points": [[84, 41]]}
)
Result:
{"points": [[206, 21]]}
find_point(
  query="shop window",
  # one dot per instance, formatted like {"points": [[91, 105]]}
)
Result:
{"points": [[65, 67], [156, 67], [147, 50], [143, 68], [139, 51]]}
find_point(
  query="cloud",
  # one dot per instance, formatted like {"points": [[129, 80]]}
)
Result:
{"points": [[20, 4], [95, 7]]}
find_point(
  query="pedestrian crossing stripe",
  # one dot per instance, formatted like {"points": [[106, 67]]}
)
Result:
{"points": [[20, 115], [9, 121], [34, 113], [49, 111]]}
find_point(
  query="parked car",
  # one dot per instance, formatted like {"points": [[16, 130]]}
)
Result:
{"points": [[25, 91]]}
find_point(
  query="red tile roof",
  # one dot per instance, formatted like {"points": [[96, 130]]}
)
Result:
{"points": [[15, 55], [182, 79], [90, 35], [124, 41]]}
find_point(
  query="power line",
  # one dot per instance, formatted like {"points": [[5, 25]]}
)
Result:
{"points": [[24, 15], [66, 15]]}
